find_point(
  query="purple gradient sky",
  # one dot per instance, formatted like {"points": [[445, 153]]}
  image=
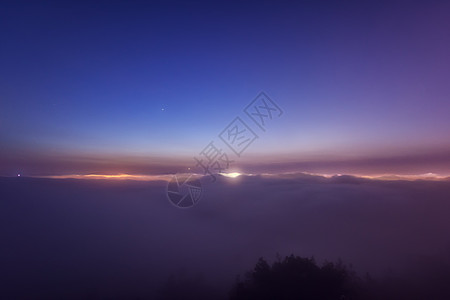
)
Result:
{"points": [[365, 87]]}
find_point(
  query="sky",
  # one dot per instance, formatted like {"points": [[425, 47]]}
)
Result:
{"points": [[142, 87]]}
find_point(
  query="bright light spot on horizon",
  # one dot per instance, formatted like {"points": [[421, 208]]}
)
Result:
{"points": [[231, 175], [167, 177]]}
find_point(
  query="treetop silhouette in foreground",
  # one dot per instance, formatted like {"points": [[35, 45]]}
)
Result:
{"points": [[296, 277]]}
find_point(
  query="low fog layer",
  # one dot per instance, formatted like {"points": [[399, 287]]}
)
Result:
{"points": [[98, 238]]}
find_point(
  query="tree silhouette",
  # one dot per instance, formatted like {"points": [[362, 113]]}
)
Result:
{"points": [[295, 277]]}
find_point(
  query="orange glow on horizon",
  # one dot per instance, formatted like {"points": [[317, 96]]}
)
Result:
{"points": [[167, 177], [112, 177]]}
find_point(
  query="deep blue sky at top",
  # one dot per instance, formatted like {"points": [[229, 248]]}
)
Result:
{"points": [[93, 77]]}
